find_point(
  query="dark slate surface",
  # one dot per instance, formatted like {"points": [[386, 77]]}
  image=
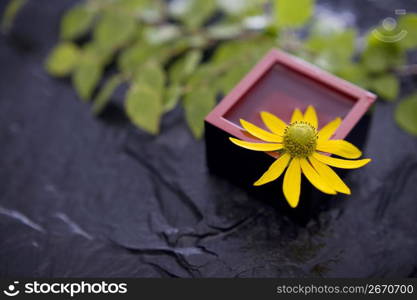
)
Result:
{"points": [[81, 196]]}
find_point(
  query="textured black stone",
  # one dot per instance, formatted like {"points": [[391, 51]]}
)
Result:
{"points": [[85, 196]]}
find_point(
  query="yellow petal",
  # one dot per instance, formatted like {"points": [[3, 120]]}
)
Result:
{"points": [[310, 116], [339, 147], [329, 129], [275, 124], [341, 163], [275, 170], [331, 177], [292, 183], [319, 182], [297, 116], [260, 133], [256, 146]]}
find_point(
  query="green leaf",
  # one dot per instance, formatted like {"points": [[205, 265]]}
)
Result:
{"points": [[144, 107], [131, 59], [408, 23], [197, 104], [225, 31], [198, 40], [204, 75], [10, 13], [334, 50], [242, 8], [89, 69], [114, 29], [293, 13], [229, 50], [406, 114], [380, 56], [355, 73], [151, 75], [132, 6], [76, 22], [233, 76], [162, 34], [62, 59], [386, 86], [197, 13], [231, 53], [144, 101], [326, 25], [234, 59], [152, 11], [230, 63], [375, 59], [105, 93], [185, 66], [172, 96], [94, 52], [86, 77]]}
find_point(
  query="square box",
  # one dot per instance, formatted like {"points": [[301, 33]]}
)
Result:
{"points": [[279, 83]]}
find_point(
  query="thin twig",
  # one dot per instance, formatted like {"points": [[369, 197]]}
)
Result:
{"points": [[407, 70]]}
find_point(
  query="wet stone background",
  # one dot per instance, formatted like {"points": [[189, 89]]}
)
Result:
{"points": [[81, 196]]}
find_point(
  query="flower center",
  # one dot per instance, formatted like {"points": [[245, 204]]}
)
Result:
{"points": [[300, 139]]}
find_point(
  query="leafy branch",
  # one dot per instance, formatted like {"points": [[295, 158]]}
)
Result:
{"points": [[187, 52]]}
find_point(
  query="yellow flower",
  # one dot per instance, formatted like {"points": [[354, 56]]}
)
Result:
{"points": [[300, 145]]}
